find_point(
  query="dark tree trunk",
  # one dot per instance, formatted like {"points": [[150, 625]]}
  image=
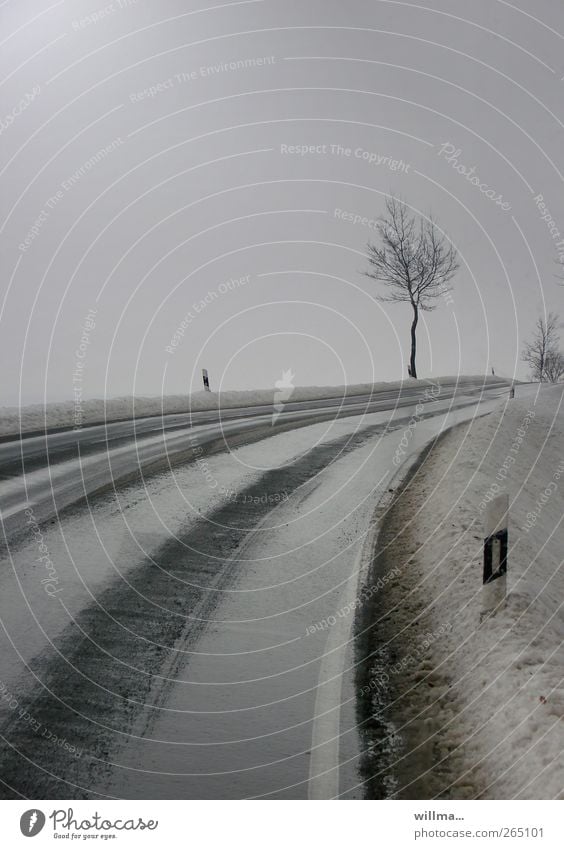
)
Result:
{"points": [[412, 369]]}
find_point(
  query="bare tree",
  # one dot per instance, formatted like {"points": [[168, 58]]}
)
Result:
{"points": [[543, 349], [554, 366], [413, 261]]}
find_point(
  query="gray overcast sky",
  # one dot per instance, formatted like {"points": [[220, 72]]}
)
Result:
{"points": [[144, 164]]}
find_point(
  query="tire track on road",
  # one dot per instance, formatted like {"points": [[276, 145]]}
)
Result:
{"points": [[91, 689]]}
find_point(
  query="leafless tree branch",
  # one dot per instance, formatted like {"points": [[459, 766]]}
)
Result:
{"points": [[413, 261], [542, 353]]}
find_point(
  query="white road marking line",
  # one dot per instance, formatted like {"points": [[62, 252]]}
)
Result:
{"points": [[324, 762]]}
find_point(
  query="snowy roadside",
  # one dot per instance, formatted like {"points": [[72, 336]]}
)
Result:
{"points": [[105, 607], [68, 414], [453, 708]]}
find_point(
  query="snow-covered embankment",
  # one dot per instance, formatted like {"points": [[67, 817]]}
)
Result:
{"points": [[455, 708], [68, 414]]}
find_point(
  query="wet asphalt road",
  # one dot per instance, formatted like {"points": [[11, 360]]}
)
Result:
{"points": [[197, 674], [98, 682], [55, 470]]}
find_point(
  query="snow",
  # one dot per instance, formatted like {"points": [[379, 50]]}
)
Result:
{"points": [[264, 695], [89, 549], [500, 704], [36, 417], [313, 544], [115, 534]]}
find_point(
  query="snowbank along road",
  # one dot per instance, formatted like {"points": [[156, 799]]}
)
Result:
{"points": [[458, 705]]}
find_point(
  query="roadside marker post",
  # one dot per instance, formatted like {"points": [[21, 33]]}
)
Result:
{"points": [[206, 380], [496, 536]]}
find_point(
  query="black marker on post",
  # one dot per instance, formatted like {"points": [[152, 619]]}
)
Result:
{"points": [[495, 554], [206, 380]]}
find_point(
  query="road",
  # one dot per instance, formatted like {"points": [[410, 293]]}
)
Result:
{"points": [[196, 637], [58, 469]]}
